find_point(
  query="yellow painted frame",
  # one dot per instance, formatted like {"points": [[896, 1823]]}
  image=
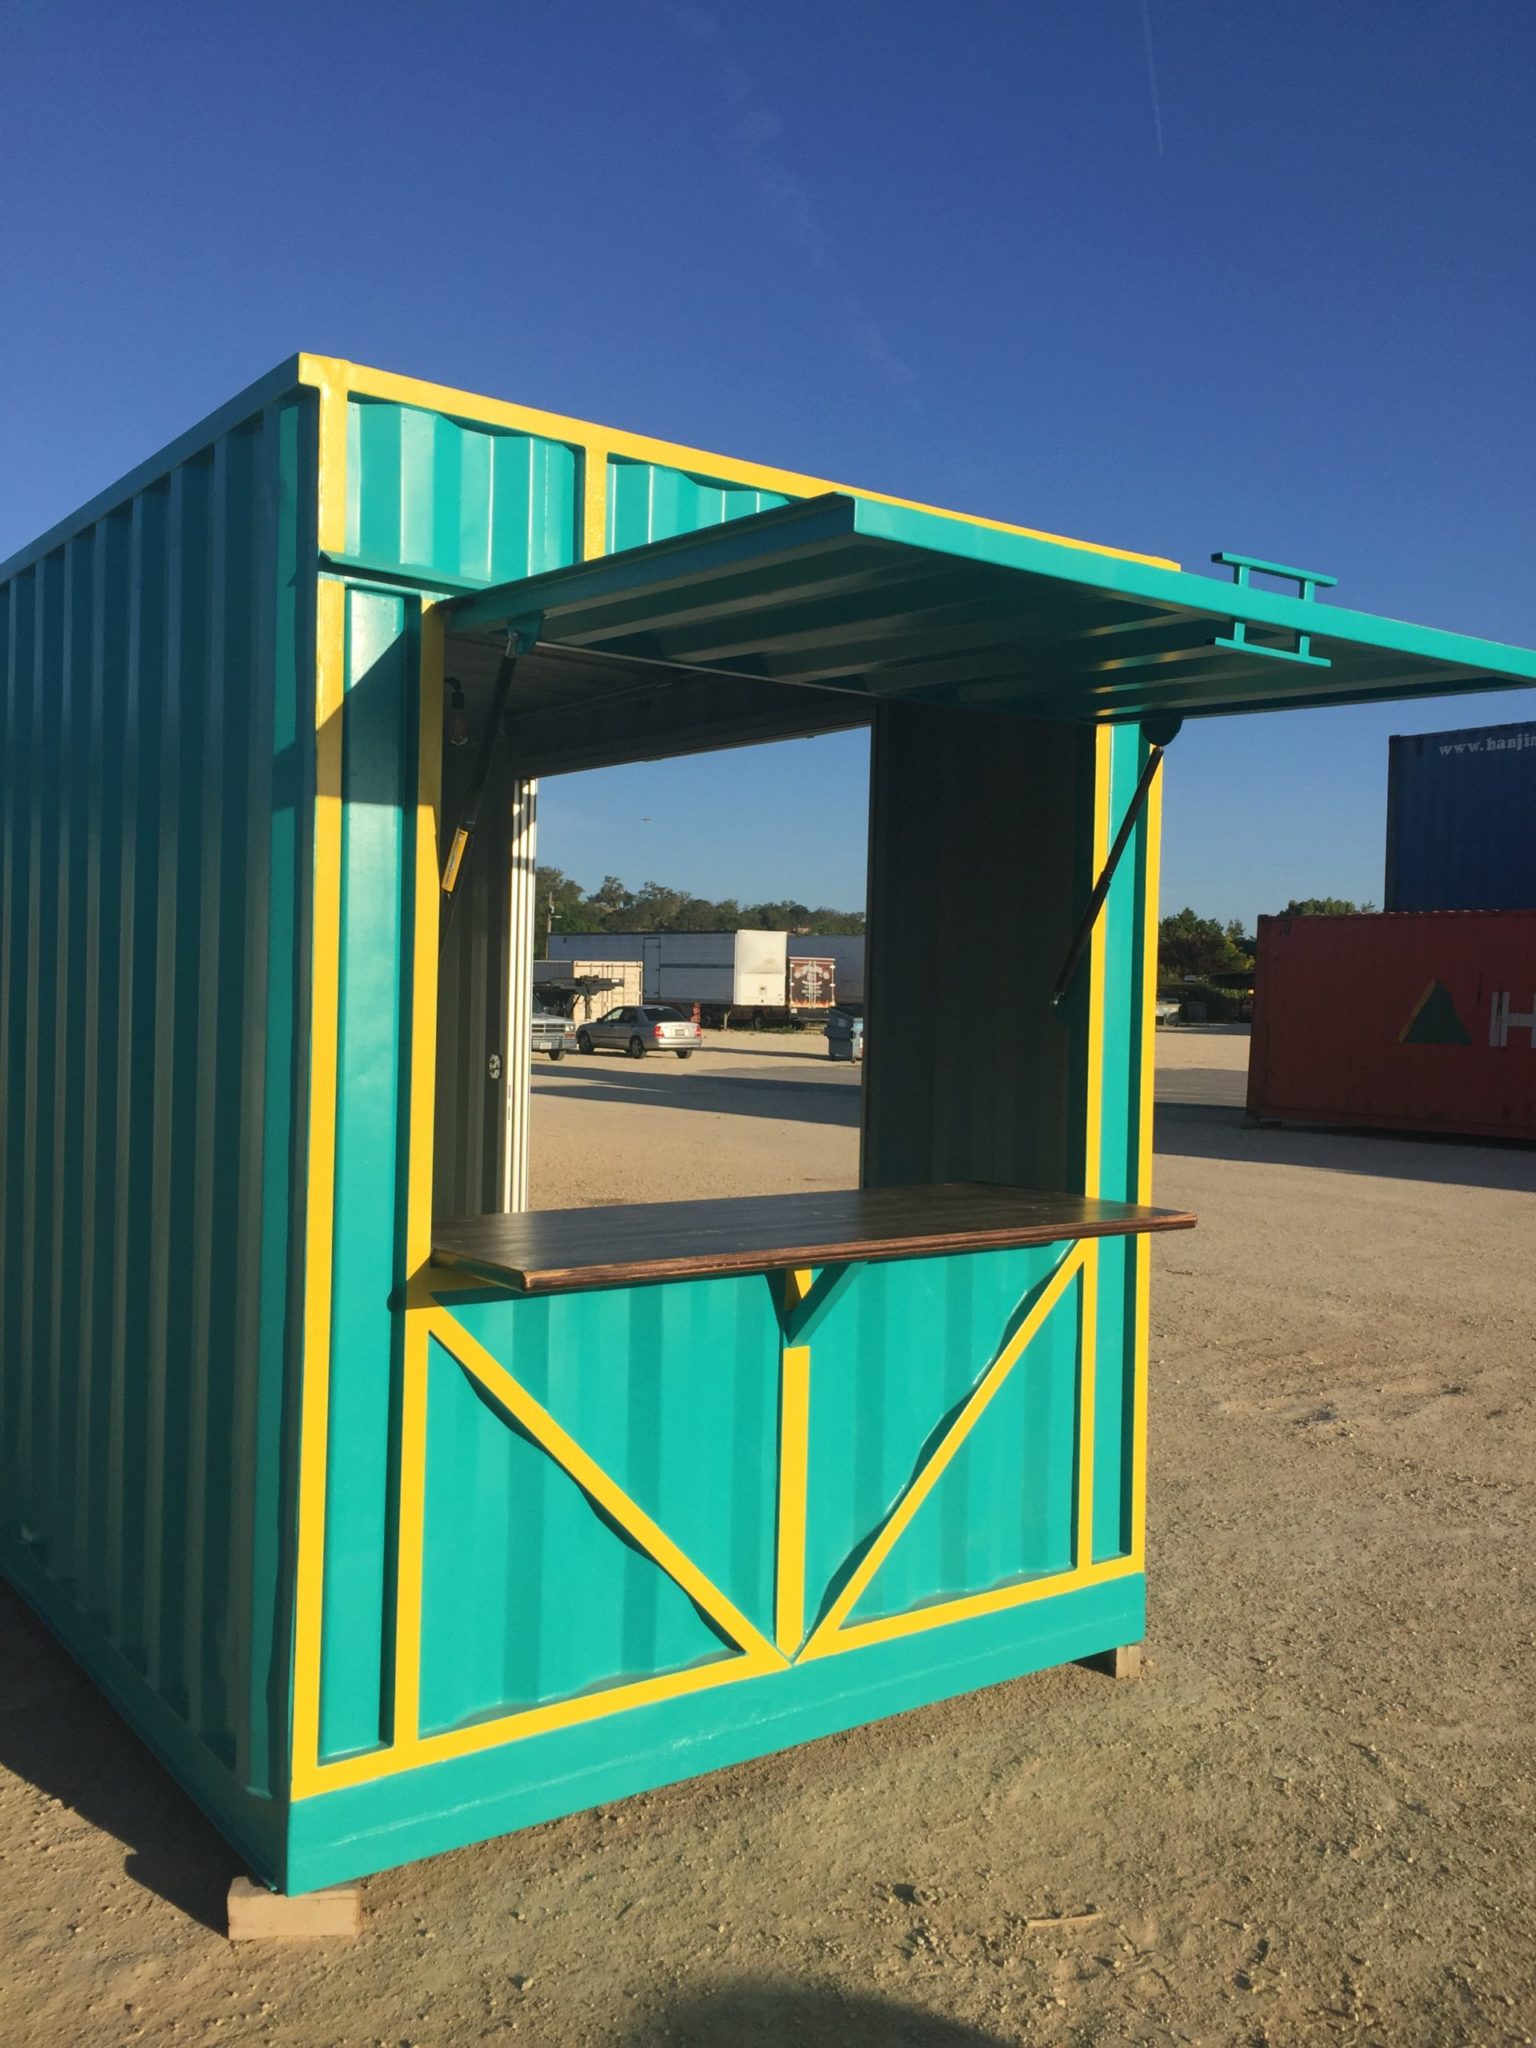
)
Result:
{"points": [[426, 1314], [598, 443]]}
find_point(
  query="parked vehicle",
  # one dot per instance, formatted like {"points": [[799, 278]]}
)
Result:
{"points": [[549, 1034], [811, 984], [582, 989], [650, 1027], [753, 975]]}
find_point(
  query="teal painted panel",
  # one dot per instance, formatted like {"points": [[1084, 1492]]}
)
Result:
{"points": [[674, 1391], [529, 1593], [1005, 1507], [896, 1354], [340, 1835], [457, 499], [148, 933], [378, 789], [1121, 1114], [1122, 988], [649, 502], [1114, 1395]]}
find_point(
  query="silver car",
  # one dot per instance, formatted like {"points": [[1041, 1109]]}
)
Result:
{"points": [[651, 1027]]}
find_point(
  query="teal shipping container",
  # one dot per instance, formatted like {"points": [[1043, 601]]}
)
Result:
{"points": [[395, 1516]]}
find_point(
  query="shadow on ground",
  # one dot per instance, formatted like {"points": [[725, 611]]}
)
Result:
{"points": [[784, 1101], [59, 1733], [1205, 1130], [787, 2016]]}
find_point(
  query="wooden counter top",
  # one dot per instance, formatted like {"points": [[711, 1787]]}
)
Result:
{"points": [[556, 1251]]}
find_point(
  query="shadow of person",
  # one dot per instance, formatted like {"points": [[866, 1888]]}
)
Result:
{"points": [[60, 1734], [772, 2015]]}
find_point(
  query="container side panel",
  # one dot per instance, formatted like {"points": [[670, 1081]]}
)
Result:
{"points": [[346, 1833], [649, 502], [282, 790], [1460, 807], [1420, 1023], [892, 1361], [530, 1593], [673, 1391], [454, 499], [136, 1052]]}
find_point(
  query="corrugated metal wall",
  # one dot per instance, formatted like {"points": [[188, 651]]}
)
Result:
{"points": [[968, 1072], [154, 839], [1461, 820], [455, 499], [647, 501], [1409, 1023]]}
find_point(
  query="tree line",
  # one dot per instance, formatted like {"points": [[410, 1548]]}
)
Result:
{"points": [[1188, 946], [1201, 947], [561, 904]]}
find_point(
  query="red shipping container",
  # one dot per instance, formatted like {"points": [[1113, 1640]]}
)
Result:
{"points": [[1410, 1022]]}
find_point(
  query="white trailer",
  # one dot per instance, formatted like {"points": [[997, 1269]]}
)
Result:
{"points": [[719, 971]]}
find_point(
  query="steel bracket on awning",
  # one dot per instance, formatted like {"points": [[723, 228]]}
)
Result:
{"points": [[1306, 581], [522, 635], [1158, 733]]}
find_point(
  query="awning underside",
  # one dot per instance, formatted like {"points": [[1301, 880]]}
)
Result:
{"points": [[873, 602]]}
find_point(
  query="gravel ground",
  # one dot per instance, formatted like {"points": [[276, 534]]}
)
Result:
{"points": [[1311, 1821]]}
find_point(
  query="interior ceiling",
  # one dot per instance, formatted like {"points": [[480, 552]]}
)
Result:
{"points": [[569, 709], [803, 618]]}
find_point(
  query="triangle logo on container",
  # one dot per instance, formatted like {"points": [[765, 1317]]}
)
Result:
{"points": [[1434, 1020]]}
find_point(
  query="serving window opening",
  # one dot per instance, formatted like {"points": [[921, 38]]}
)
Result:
{"points": [[572, 1070]]}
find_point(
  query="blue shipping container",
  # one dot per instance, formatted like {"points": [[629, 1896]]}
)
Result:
{"points": [[1460, 807]]}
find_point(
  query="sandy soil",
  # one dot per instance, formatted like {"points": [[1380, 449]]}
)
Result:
{"points": [[1310, 1821]]}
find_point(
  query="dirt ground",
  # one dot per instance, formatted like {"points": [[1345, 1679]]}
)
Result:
{"points": [[1311, 1821]]}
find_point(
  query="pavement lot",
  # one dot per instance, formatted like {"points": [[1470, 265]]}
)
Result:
{"points": [[1311, 1821]]}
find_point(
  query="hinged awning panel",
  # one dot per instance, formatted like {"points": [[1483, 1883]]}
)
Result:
{"points": [[876, 601]]}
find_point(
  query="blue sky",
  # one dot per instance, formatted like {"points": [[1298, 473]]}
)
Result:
{"points": [[1263, 281]]}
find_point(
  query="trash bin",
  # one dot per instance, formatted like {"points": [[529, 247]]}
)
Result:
{"points": [[845, 1035]]}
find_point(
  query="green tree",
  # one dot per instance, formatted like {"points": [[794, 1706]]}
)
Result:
{"points": [[611, 898], [1323, 906], [560, 905], [1200, 946]]}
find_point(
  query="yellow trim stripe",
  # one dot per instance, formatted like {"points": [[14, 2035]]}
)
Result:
{"points": [[320, 1219], [594, 502], [1093, 1145], [972, 1606], [794, 1480], [360, 381], [1152, 841], [405, 1715], [823, 1639], [411, 1749], [569, 1713], [1087, 1363], [1093, 1135], [412, 1450], [330, 379]]}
